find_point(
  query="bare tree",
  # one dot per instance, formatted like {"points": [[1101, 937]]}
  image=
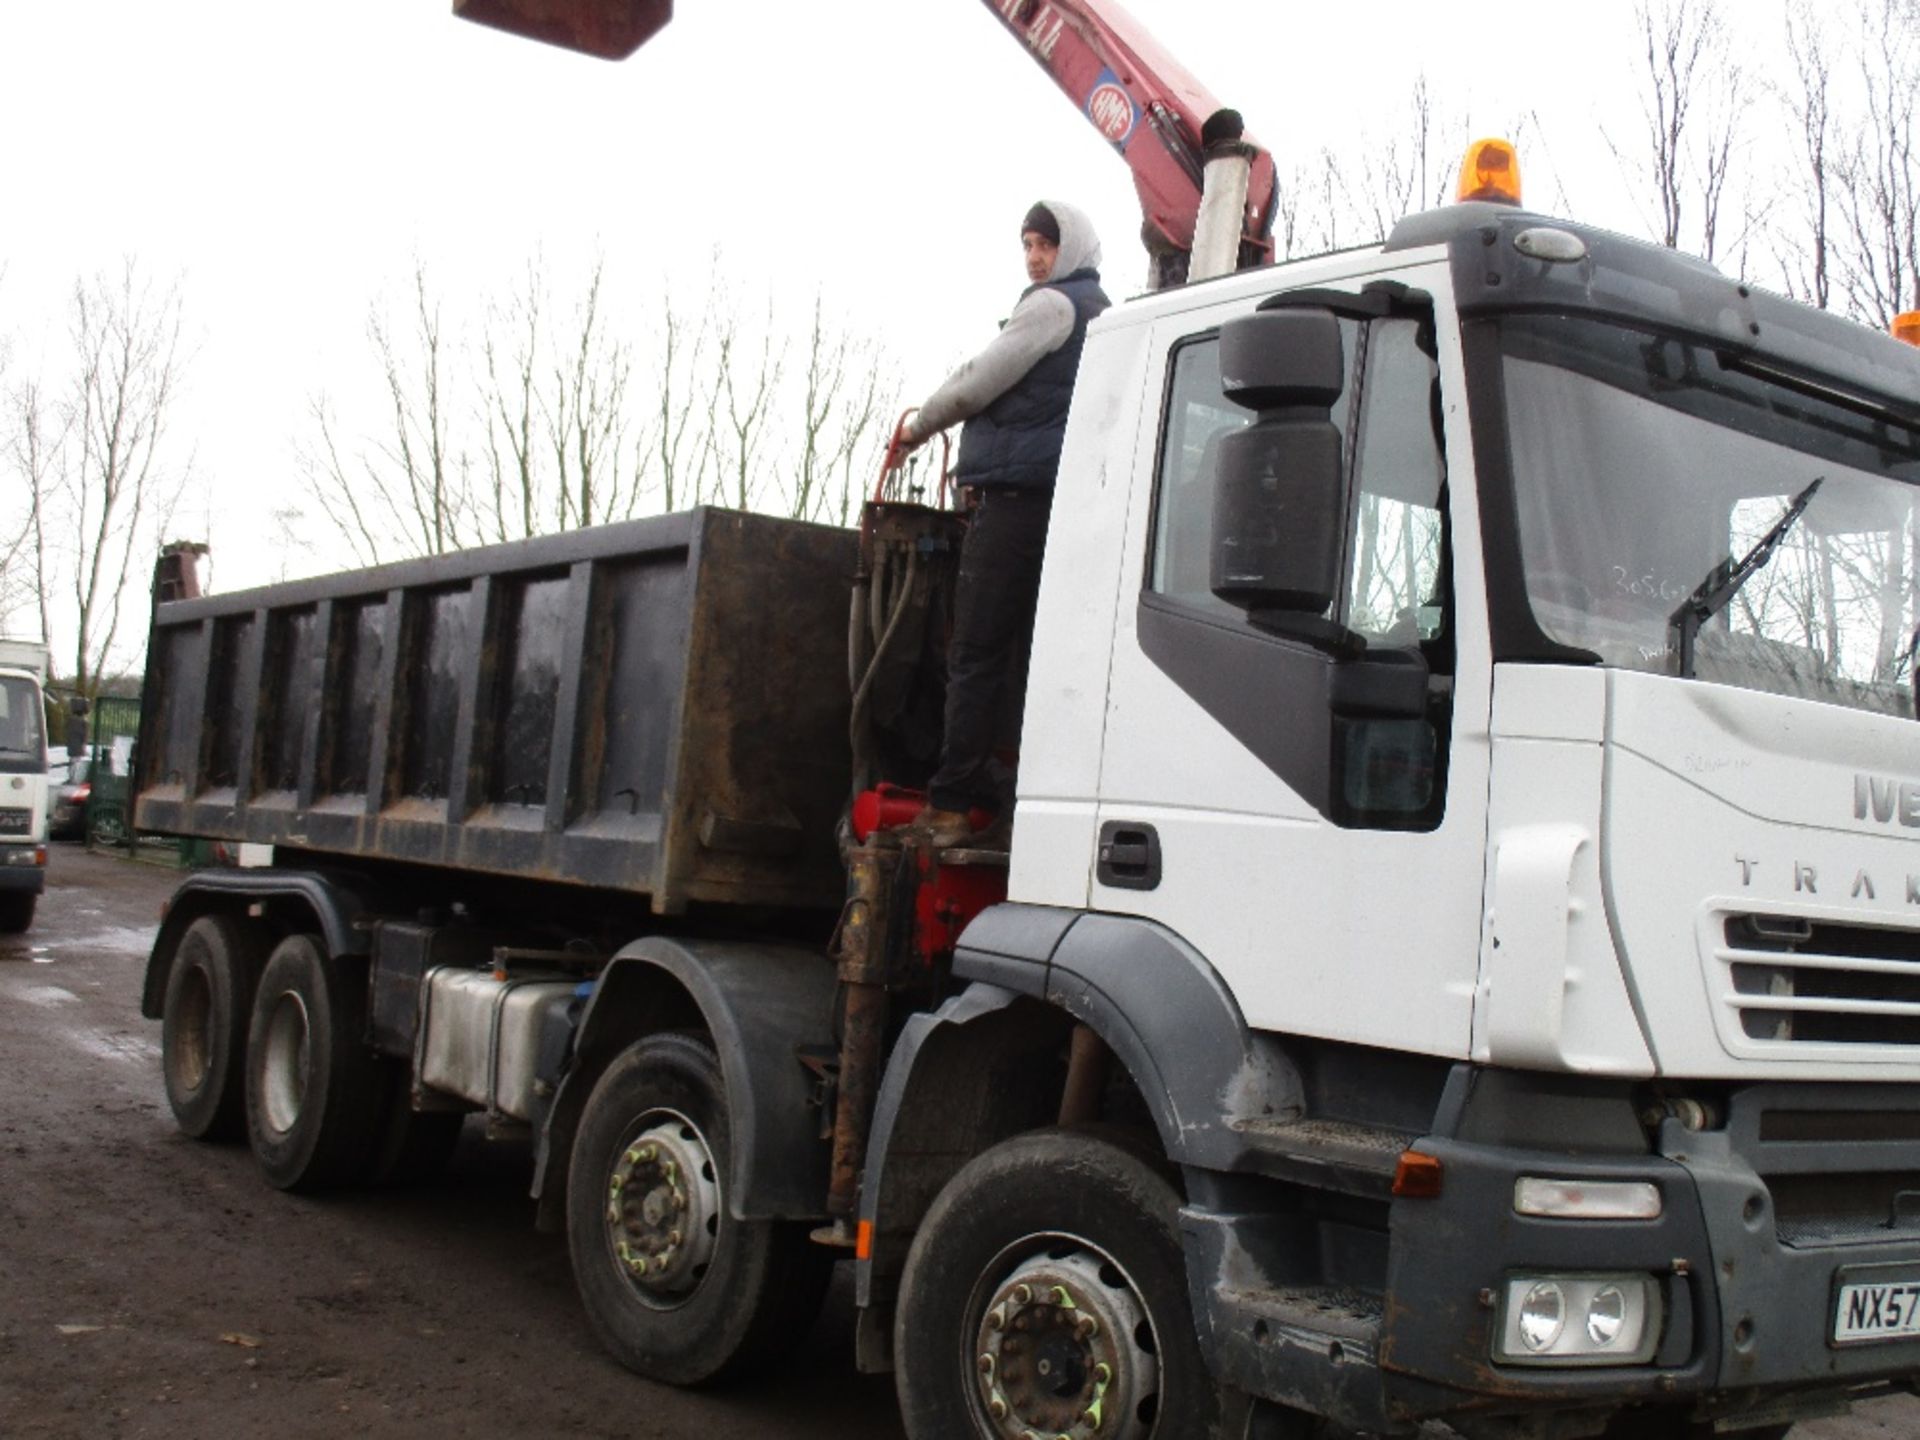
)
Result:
{"points": [[560, 433], [1404, 174], [1879, 247], [553, 404], [1690, 108], [843, 408], [87, 444], [37, 451], [671, 443], [587, 421], [408, 490], [1806, 260], [751, 368]]}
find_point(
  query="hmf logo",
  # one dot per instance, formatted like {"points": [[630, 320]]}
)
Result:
{"points": [[1886, 800], [1111, 110]]}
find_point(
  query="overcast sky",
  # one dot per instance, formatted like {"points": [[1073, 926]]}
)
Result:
{"points": [[289, 162]]}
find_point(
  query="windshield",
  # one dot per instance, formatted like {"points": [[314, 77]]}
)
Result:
{"points": [[1642, 462], [21, 748]]}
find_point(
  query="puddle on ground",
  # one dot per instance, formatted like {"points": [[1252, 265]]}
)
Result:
{"points": [[113, 940], [46, 995]]}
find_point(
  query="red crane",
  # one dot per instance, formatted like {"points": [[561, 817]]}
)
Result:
{"points": [[1163, 122]]}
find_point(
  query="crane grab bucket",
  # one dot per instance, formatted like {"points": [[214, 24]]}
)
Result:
{"points": [[610, 29]]}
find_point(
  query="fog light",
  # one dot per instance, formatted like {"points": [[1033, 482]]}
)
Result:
{"points": [[1615, 1320], [1586, 1199], [1606, 1314], [1543, 1315]]}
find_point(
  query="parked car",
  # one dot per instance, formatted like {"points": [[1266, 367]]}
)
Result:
{"points": [[70, 795]]}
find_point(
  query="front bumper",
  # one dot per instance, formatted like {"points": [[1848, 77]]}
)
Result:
{"points": [[1746, 1267], [18, 870]]}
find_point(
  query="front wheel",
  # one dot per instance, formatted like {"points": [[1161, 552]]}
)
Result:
{"points": [[676, 1288], [16, 913], [1046, 1294]]}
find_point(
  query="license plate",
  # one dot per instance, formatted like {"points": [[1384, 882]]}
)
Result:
{"points": [[1887, 1310], [15, 822]]}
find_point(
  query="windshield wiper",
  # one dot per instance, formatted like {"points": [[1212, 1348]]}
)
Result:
{"points": [[1723, 582]]}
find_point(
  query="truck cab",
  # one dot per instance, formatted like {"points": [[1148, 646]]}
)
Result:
{"points": [[1382, 721], [23, 782]]}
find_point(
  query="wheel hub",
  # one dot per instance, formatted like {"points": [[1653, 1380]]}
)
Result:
{"points": [[285, 1061], [1064, 1350], [663, 1206], [193, 1033]]}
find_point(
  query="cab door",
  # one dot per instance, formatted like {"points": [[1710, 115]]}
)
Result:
{"points": [[1326, 860]]}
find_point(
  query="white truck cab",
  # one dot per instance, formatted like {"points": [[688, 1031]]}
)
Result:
{"points": [[1497, 649], [23, 781]]}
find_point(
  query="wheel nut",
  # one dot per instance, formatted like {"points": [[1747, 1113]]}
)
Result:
{"points": [[997, 1408], [1086, 1328], [986, 1365], [1023, 1294], [997, 1317]]}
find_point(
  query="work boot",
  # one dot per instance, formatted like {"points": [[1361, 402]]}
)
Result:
{"points": [[940, 829]]}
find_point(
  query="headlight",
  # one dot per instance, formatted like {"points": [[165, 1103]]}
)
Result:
{"points": [[1579, 1320]]}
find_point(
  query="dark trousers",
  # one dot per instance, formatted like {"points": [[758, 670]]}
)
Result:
{"points": [[992, 633]]}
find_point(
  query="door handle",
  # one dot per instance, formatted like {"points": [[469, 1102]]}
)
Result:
{"points": [[1129, 856]]}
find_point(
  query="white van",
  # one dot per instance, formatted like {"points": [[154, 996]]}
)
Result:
{"points": [[23, 782]]}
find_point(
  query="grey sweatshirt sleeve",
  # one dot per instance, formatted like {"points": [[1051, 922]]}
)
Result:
{"points": [[1039, 325]]}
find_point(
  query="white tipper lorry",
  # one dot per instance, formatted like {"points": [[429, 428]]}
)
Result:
{"points": [[23, 782], [1458, 956]]}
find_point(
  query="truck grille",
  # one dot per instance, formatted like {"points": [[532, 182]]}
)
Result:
{"points": [[16, 822], [1794, 980]]}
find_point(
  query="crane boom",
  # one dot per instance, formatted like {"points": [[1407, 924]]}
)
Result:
{"points": [[1142, 100], [1150, 108]]}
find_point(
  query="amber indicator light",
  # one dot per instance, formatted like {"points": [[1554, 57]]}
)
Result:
{"points": [[1490, 171], [1417, 1176]]}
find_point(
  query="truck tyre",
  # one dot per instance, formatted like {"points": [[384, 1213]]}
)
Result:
{"points": [[203, 1025], [314, 1091], [16, 913], [676, 1288], [1046, 1294]]}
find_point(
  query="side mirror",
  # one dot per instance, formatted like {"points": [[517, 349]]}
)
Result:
{"points": [[1277, 511]]}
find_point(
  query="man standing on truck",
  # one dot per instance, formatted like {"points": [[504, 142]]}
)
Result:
{"points": [[1013, 396]]}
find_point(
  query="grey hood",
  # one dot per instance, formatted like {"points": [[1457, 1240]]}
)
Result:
{"points": [[1079, 246]]}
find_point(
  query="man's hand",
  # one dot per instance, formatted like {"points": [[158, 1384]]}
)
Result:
{"points": [[902, 445]]}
